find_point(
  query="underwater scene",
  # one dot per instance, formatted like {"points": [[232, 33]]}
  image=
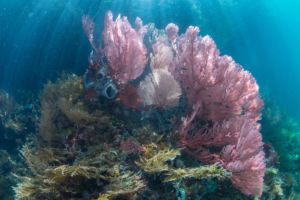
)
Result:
{"points": [[149, 100]]}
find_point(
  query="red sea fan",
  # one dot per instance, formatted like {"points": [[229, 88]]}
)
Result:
{"points": [[124, 49], [216, 83]]}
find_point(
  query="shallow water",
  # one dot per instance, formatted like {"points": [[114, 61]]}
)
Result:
{"points": [[39, 39], [42, 39]]}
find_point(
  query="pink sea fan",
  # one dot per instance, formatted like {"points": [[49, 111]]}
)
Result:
{"points": [[124, 49], [241, 152], [219, 85], [172, 31], [88, 27], [160, 89], [217, 134], [162, 57], [245, 160]]}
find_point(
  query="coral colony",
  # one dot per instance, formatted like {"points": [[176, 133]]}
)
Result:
{"points": [[155, 112], [219, 93]]}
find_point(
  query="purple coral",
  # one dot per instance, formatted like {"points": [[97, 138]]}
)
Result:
{"points": [[124, 49]]}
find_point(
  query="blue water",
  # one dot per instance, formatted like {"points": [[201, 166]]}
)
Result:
{"points": [[41, 38]]}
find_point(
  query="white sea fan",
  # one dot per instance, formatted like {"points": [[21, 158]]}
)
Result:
{"points": [[160, 89]]}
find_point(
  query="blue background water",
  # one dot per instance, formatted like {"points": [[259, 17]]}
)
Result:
{"points": [[41, 38]]}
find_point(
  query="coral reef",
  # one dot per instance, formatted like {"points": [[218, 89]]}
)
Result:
{"points": [[157, 115]]}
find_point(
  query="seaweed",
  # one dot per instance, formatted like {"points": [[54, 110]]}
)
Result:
{"points": [[154, 159], [125, 186], [203, 172], [85, 150]]}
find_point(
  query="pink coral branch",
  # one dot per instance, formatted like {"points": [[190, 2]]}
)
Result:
{"points": [[242, 153], [124, 49], [245, 160], [88, 27], [216, 82]]}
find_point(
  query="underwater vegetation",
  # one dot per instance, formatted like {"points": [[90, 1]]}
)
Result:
{"points": [[17, 118], [157, 115], [281, 134], [17, 121]]}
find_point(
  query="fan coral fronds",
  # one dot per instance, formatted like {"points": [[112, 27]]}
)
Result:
{"points": [[225, 106], [160, 89], [124, 49], [218, 84], [162, 56], [172, 31], [242, 153], [88, 27], [217, 134], [245, 160]]}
